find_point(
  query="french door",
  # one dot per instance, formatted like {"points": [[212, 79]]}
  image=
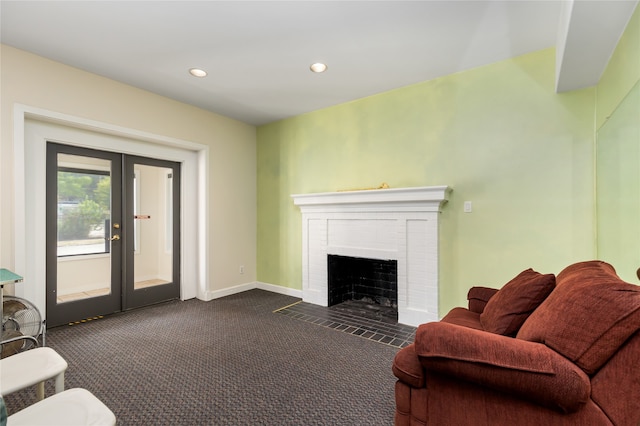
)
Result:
{"points": [[113, 239]]}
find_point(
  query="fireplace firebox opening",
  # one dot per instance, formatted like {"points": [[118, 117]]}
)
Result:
{"points": [[369, 286]]}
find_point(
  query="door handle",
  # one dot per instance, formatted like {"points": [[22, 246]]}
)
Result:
{"points": [[115, 238]]}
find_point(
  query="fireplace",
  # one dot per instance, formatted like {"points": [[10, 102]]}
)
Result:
{"points": [[399, 225], [364, 280], [364, 287]]}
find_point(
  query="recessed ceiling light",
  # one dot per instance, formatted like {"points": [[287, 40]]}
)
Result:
{"points": [[197, 72], [318, 67]]}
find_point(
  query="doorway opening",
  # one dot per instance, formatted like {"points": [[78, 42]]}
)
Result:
{"points": [[113, 232], [34, 127]]}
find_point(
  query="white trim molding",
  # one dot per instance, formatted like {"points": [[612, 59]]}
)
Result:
{"points": [[279, 289], [390, 224], [29, 177], [216, 294]]}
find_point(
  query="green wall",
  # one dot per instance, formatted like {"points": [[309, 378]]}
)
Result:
{"points": [[618, 156], [498, 135], [622, 72]]}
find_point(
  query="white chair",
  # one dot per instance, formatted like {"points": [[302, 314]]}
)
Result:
{"points": [[73, 407], [32, 367]]}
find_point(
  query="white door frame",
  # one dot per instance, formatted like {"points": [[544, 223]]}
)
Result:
{"points": [[29, 186]]}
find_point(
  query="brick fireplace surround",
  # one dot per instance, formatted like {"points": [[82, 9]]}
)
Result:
{"points": [[389, 224]]}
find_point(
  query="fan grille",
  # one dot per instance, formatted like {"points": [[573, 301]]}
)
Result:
{"points": [[19, 318]]}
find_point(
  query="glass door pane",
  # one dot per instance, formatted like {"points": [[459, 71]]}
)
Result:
{"points": [[152, 214], [84, 254], [84, 222], [153, 226]]}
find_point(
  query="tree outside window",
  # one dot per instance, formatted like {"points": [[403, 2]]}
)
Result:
{"points": [[83, 211]]}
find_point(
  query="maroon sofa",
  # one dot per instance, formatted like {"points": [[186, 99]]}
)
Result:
{"points": [[542, 350]]}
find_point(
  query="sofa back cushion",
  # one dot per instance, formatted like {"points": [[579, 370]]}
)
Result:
{"points": [[508, 309], [589, 315]]}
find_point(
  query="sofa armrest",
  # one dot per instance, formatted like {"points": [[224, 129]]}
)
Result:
{"points": [[407, 368], [478, 298], [530, 370]]}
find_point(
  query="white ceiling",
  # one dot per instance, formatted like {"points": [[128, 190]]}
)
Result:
{"points": [[258, 53]]}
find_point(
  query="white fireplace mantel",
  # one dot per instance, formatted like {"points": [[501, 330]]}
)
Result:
{"points": [[425, 198], [391, 224]]}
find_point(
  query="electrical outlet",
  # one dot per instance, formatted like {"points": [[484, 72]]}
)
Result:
{"points": [[242, 269]]}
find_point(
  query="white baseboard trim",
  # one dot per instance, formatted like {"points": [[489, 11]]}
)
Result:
{"points": [[279, 289], [216, 294]]}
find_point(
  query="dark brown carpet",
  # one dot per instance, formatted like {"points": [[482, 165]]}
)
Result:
{"points": [[231, 361]]}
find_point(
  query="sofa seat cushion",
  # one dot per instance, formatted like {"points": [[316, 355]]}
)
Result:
{"points": [[464, 317], [508, 309], [589, 315]]}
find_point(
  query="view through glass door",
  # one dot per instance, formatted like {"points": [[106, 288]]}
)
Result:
{"points": [[83, 233], [153, 219], [112, 233]]}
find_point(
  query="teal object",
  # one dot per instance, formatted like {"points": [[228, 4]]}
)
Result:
{"points": [[8, 277], [3, 413]]}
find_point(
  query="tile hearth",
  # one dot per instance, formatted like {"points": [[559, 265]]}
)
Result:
{"points": [[350, 318]]}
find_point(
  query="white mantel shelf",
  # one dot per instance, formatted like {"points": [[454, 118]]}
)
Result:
{"points": [[396, 223], [424, 198]]}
